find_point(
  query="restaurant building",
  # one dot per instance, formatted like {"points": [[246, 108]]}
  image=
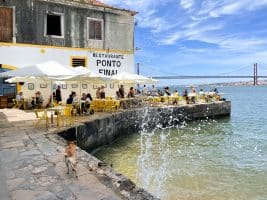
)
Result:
{"points": [[72, 32]]}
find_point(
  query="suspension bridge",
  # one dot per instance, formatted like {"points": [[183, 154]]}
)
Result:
{"points": [[255, 76]]}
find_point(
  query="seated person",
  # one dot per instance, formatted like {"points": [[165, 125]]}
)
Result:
{"points": [[118, 95], [70, 99], [19, 96], [83, 99], [131, 93], [38, 100], [176, 95], [20, 99], [88, 102]]}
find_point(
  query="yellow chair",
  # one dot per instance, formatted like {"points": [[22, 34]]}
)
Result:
{"points": [[109, 106], [99, 105], [92, 107], [17, 104], [116, 104], [41, 115], [67, 116]]}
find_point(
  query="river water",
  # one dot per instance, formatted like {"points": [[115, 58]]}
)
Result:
{"points": [[207, 159]]}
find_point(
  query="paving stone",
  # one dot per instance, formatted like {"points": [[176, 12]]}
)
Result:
{"points": [[45, 180], [8, 155], [56, 158], [32, 195], [14, 183], [38, 170], [48, 149], [39, 162], [61, 170], [8, 138], [24, 172], [31, 153], [12, 144], [10, 174], [3, 184], [88, 195]]}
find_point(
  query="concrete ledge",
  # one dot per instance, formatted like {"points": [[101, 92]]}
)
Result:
{"points": [[101, 131]]}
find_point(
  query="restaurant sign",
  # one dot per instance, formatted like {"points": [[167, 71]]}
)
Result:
{"points": [[109, 64]]}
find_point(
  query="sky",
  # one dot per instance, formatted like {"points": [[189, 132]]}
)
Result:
{"points": [[199, 37]]}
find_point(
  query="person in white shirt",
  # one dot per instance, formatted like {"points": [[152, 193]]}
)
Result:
{"points": [[19, 96], [144, 91], [154, 91]]}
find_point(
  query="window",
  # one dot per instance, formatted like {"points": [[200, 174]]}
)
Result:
{"points": [[94, 29], [54, 25], [76, 62], [6, 24]]}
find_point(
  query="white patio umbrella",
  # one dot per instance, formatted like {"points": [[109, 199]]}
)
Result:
{"points": [[125, 77], [47, 71], [89, 76], [86, 75]]}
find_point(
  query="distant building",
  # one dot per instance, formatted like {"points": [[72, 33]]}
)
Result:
{"points": [[73, 32]]}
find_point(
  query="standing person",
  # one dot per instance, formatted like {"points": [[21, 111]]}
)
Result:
{"points": [[121, 91], [154, 91], [167, 92], [58, 94], [185, 95], [102, 93], [144, 91], [98, 93]]}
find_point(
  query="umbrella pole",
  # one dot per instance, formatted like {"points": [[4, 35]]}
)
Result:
{"points": [[52, 100], [80, 100]]}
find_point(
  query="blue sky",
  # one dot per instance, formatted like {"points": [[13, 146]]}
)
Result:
{"points": [[199, 37]]}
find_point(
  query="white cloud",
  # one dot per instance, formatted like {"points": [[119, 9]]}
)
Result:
{"points": [[200, 25], [218, 8], [170, 39], [186, 4]]}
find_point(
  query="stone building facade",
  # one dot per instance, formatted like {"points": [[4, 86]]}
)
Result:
{"points": [[73, 32]]}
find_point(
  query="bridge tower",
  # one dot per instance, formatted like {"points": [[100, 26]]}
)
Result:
{"points": [[255, 76]]}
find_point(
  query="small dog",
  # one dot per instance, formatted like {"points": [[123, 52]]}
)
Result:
{"points": [[70, 158]]}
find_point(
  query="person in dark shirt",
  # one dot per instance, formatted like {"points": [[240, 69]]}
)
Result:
{"points": [[185, 95], [102, 93], [131, 93], [58, 94], [70, 99], [167, 92], [121, 91]]}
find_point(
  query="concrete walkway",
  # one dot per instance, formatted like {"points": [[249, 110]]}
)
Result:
{"points": [[32, 164]]}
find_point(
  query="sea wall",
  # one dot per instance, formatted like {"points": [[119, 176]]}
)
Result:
{"points": [[104, 130]]}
